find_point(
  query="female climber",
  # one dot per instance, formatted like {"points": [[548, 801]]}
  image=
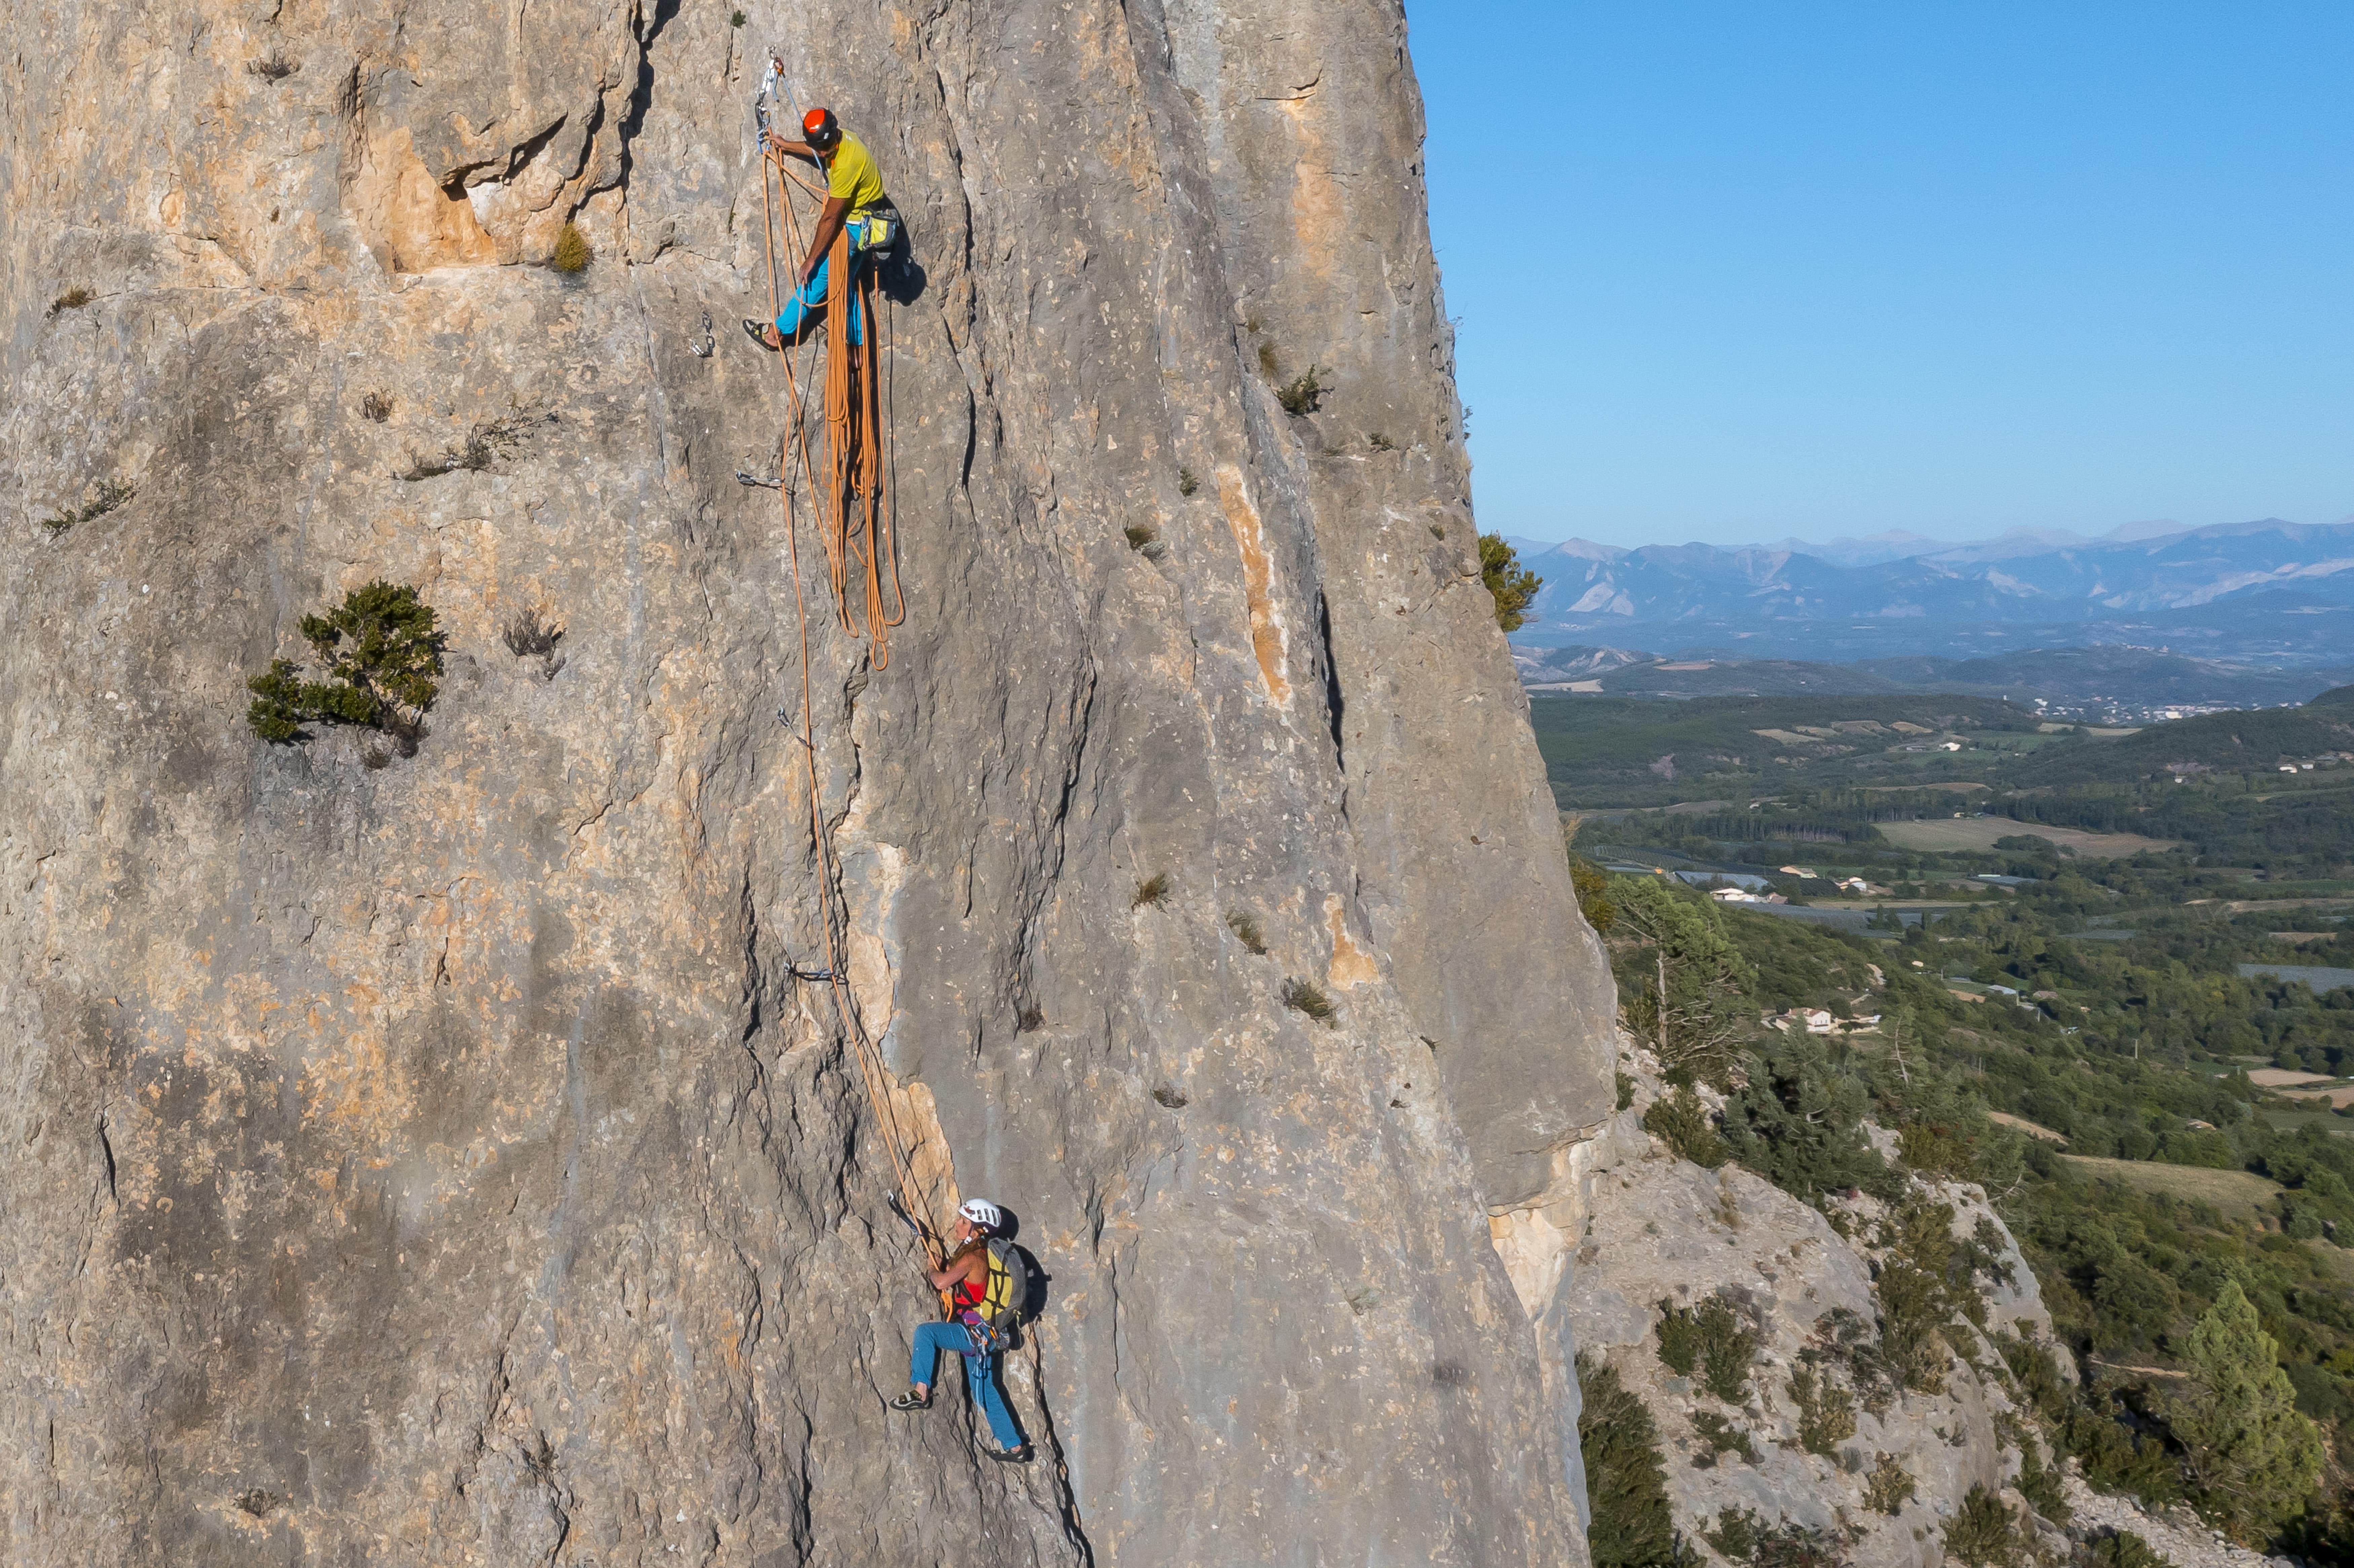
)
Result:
{"points": [[979, 1288]]}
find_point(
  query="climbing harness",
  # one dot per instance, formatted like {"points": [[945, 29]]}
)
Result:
{"points": [[852, 515]]}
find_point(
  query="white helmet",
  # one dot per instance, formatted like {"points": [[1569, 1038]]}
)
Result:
{"points": [[983, 1212]]}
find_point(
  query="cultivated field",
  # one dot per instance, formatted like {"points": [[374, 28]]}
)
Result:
{"points": [[2238, 1193], [1979, 833]]}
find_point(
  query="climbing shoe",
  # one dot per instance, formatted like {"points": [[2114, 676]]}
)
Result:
{"points": [[911, 1400], [1010, 1456], [759, 333]]}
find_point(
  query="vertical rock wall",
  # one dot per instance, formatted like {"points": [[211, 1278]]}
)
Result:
{"points": [[443, 1159]]}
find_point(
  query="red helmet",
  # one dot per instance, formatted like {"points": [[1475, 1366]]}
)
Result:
{"points": [[819, 129]]}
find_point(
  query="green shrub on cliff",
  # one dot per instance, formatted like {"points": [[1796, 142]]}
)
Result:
{"points": [[1710, 1338], [1800, 1124], [1745, 1536], [1626, 1479], [1678, 1119], [380, 656], [1510, 584], [1984, 1533], [1825, 1410]]}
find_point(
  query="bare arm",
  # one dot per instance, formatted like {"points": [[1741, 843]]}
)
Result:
{"points": [[964, 1269], [778, 139], [828, 224], [829, 221]]}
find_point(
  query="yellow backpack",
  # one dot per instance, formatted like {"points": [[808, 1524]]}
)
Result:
{"points": [[1006, 1298]]}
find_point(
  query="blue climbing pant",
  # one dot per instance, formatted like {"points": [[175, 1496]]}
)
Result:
{"points": [[979, 1375], [810, 296]]}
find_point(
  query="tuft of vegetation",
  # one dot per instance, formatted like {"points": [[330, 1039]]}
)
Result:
{"points": [[1171, 1098], [1626, 1478], [2120, 1549], [1722, 1438], [1032, 1019], [273, 68], [1890, 1486], [1511, 585], [484, 445], [1308, 997], [734, 18], [1380, 442], [2041, 1484], [1302, 394], [1626, 1087], [1984, 1533], [1708, 1338], [73, 298], [1926, 1283], [1269, 365], [108, 495], [573, 252], [1187, 484], [1678, 1119], [380, 655], [1744, 1537], [1825, 1410], [1678, 1339], [376, 407], [529, 636], [1247, 931], [1150, 891], [1145, 540]]}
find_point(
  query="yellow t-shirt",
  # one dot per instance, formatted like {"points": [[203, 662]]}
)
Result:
{"points": [[851, 174]]}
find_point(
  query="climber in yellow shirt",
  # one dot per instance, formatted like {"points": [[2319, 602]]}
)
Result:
{"points": [[855, 199]]}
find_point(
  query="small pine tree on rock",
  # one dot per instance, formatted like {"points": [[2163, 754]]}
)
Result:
{"points": [[1512, 585], [381, 658]]}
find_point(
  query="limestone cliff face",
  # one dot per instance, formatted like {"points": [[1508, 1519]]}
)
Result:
{"points": [[442, 1159]]}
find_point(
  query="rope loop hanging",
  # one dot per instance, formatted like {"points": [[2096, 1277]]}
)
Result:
{"points": [[852, 515]]}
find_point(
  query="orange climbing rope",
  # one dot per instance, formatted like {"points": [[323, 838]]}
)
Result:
{"points": [[852, 472]]}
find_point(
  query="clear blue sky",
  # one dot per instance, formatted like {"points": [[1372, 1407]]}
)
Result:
{"points": [[1732, 269]]}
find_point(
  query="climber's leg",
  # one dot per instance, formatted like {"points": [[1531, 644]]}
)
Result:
{"points": [[980, 1377], [806, 306], [923, 1358]]}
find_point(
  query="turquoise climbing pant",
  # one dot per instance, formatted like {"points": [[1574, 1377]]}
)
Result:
{"points": [[810, 296], [979, 1374]]}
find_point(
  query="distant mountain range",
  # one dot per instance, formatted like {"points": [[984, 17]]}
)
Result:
{"points": [[2273, 592]]}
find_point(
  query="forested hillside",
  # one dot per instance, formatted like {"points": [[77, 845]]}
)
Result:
{"points": [[2124, 1004]]}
